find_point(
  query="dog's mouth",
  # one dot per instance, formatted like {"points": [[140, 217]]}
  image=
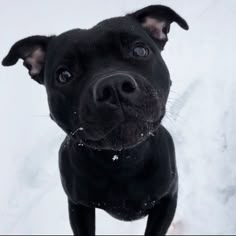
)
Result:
{"points": [[124, 135]]}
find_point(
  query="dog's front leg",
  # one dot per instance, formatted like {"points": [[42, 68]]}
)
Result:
{"points": [[82, 219], [161, 216]]}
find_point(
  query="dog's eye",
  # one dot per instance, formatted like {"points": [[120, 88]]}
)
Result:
{"points": [[140, 51], [64, 76]]}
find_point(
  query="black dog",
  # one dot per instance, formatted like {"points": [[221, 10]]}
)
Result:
{"points": [[107, 89]]}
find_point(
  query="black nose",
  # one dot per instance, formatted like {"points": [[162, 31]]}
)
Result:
{"points": [[109, 89]]}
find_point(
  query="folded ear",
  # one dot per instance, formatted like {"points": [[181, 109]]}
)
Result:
{"points": [[32, 50], [156, 19]]}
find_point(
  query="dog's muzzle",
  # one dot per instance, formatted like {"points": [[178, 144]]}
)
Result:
{"points": [[119, 107]]}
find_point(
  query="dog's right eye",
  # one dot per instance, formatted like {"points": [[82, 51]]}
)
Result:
{"points": [[64, 76]]}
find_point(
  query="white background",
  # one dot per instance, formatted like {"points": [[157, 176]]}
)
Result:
{"points": [[201, 118]]}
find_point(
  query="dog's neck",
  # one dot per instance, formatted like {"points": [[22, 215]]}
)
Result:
{"points": [[110, 159]]}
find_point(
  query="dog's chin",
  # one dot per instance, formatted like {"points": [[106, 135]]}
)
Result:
{"points": [[125, 136]]}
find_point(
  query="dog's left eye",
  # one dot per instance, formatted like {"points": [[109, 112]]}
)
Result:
{"points": [[64, 76], [140, 51]]}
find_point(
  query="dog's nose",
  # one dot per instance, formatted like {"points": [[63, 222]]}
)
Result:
{"points": [[109, 89]]}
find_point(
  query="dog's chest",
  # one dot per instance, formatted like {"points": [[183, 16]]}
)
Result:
{"points": [[99, 188], [126, 210], [128, 200], [124, 193]]}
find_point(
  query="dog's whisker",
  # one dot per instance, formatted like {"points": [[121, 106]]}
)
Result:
{"points": [[177, 99], [172, 122], [172, 91], [175, 114], [174, 117], [172, 103]]}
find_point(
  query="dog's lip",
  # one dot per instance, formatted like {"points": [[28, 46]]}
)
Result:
{"points": [[81, 131], [89, 142], [92, 144]]}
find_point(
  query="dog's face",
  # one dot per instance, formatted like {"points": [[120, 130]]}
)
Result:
{"points": [[107, 86]]}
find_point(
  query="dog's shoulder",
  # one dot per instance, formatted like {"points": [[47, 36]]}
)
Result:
{"points": [[167, 149], [165, 140], [64, 147]]}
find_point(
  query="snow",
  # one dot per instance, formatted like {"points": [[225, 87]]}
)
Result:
{"points": [[75, 132], [201, 118], [115, 158], [151, 134]]}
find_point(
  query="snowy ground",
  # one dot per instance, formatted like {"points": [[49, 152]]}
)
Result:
{"points": [[201, 118]]}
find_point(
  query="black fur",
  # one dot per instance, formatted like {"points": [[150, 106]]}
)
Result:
{"points": [[107, 89]]}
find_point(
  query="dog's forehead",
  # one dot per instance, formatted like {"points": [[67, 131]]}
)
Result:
{"points": [[102, 41], [100, 32], [118, 24]]}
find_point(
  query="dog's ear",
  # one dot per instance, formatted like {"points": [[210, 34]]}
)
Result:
{"points": [[32, 50], [156, 19]]}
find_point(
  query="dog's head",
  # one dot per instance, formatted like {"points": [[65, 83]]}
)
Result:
{"points": [[107, 86]]}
